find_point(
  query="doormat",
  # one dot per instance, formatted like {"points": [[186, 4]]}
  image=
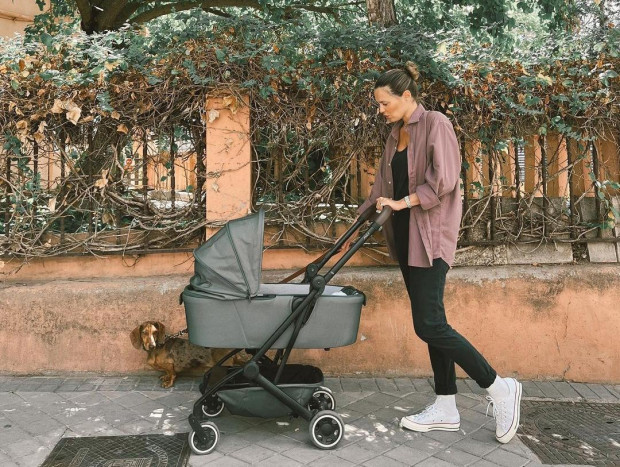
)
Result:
{"points": [[121, 451], [572, 432]]}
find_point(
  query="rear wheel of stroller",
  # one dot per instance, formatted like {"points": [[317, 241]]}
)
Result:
{"points": [[213, 406], [326, 429], [322, 399], [213, 436]]}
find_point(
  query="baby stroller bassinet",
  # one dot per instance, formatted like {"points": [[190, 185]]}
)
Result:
{"points": [[226, 305]]}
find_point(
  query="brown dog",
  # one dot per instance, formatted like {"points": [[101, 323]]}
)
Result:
{"points": [[174, 355]]}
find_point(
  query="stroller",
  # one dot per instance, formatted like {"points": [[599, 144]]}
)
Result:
{"points": [[227, 306]]}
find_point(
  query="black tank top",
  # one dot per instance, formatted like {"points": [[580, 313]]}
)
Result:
{"points": [[400, 174]]}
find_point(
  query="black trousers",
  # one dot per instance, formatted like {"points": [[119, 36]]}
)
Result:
{"points": [[445, 346]]}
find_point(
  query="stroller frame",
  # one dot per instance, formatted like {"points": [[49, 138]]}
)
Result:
{"points": [[326, 426]]}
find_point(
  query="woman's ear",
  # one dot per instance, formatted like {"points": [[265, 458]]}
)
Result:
{"points": [[135, 338]]}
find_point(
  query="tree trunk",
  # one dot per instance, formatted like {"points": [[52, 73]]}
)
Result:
{"points": [[381, 12]]}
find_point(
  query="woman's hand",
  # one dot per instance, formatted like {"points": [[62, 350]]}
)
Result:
{"points": [[395, 205]]}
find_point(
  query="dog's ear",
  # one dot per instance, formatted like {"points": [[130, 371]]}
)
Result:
{"points": [[136, 341], [161, 332]]}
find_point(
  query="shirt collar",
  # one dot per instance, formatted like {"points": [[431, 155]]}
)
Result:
{"points": [[415, 118]]}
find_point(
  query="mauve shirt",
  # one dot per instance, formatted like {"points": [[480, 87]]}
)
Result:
{"points": [[434, 166]]}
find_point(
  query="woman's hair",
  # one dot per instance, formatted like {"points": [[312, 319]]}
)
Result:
{"points": [[399, 81]]}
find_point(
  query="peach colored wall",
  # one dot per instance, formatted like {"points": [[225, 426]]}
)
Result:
{"points": [[534, 322], [16, 15]]}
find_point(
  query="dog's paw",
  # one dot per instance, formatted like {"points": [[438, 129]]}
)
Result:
{"points": [[167, 382]]}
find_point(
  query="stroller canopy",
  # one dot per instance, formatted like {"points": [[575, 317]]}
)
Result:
{"points": [[228, 265]]}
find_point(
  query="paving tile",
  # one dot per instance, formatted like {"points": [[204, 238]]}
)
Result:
{"points": [[32, 460], [506, 458], [475, 447], [423, 443], [456, 456], [566, 389], [331, 460], [467, 400], [8, 398], [406, 455], [356, 453], [473, 386], [434, 462], [462, 387], [277, 443], [253, 454], [602, 392], [131, 399], [226, 461], [278, 461], [350, 385], [382, 461], [548, 389], [387, 384], [614, 389], [584, 390], [304, 453], [333, 384], [6, 461], [422, 385], [404, 384], [363, 407], [21, 448], [381, 399], [483, 463], [368, 384], [530, 389]]}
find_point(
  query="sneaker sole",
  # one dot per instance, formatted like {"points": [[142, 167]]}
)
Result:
{"points": [[515, 422], [434, 427]]}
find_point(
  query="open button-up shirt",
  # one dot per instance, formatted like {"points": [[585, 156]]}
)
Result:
{"points": [[434, 166]]}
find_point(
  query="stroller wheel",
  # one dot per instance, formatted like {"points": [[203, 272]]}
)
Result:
{"points": [[322, 399], [213, 406], [326, 429], [213, 436]]}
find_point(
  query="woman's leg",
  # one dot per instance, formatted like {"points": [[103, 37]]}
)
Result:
{"points": [[446, 346]]}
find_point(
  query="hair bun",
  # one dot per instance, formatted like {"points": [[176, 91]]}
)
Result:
{"points": [[412, 70]]}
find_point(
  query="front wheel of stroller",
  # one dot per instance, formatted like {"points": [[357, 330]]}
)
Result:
{"points": [[322, 399], [326, 429], [213, 406], [201, 447]]}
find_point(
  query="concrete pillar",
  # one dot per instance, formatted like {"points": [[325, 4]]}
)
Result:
{"points": [[580, 177], [228, 165], [609, 161]]}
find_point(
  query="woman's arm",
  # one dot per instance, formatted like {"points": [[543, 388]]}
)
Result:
{"points": [[442, 175]]}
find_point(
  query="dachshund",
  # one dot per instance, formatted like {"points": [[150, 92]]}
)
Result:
{"points": [[174, 354]]}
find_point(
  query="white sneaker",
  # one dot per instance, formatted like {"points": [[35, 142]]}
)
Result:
{"points": [[433, 417], [506, 411]]}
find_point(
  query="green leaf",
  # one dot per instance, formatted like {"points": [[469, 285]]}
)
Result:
{"points": [[220, 54]]}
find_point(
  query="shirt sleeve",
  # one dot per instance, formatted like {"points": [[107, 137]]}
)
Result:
{"points": [[442, 175], [375, 191]]}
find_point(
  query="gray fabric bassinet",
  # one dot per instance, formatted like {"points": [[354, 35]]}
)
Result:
{"points": [[227, 306]]}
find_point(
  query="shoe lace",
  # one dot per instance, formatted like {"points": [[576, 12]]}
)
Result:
{"points": [[499, 408], [428, 410]]}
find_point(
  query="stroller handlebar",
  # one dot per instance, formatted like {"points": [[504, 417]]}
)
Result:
{"points": [[373, 214]]}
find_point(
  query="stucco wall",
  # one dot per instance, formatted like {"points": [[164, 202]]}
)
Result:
{"points": [[534, 322]]}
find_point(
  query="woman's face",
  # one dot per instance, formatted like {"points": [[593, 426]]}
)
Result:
{"points": [[391, 106]]}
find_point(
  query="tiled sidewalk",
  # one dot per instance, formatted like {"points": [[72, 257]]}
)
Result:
{"points": [[35, 412]]}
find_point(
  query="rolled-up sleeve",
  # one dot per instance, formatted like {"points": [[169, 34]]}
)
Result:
{"points": [[375, 191], [442, 175]]}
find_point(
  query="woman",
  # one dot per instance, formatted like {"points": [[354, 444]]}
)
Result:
{"points": [[418, 178]]}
